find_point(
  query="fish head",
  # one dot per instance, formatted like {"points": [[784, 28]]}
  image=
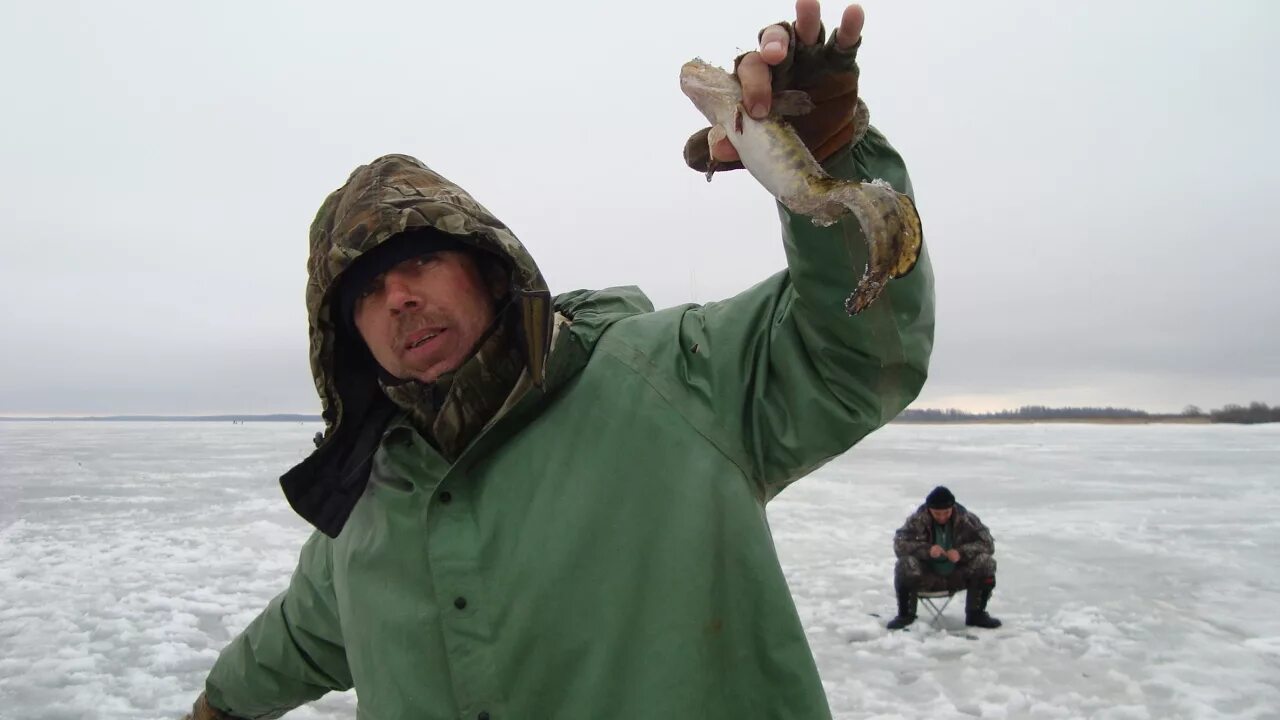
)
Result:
{"points": [[713, 91]]}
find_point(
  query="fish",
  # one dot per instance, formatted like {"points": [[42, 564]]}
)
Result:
{"points": [[778, 159]]}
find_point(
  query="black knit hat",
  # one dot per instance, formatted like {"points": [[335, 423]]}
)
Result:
{"points": [[940, 499], [395, 250]]}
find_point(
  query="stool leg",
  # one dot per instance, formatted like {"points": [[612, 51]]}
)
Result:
{"points": [[937, 610]]}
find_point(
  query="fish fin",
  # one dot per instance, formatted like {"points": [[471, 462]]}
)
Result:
{"points": [[868, 291], [914, 236], [714, 136], [792, 102]]}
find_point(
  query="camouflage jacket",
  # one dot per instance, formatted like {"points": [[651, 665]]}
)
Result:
{"points": [[915, 537], [599, 549]]}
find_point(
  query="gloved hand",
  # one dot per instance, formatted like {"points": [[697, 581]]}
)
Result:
{"points": [[202, 710], [825, 69]]}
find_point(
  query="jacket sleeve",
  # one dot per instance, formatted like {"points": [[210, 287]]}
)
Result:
{"points": [[978, 539], [912, 540], [782, 378], [292, 653]]}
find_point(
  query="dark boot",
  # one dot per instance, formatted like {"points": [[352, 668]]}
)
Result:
{"points": [[975, 604], [906, 610]]}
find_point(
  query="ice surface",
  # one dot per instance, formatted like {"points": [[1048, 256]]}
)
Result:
{"points": [[1137, 568]]}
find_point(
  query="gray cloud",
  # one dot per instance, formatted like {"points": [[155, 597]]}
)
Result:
{"points": [[1096, 182]]}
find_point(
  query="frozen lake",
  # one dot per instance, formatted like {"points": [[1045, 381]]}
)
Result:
{"points": [[1138, 574]]}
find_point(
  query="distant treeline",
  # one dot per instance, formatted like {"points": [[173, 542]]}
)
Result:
{"points": [[1255, 413], [1027, 412]]}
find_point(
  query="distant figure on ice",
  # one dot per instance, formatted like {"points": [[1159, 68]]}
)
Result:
{"points": [[943, 546], [531, 505]]}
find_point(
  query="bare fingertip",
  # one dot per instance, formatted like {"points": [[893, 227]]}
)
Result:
{"points": [[851, 24], [808, 22]]}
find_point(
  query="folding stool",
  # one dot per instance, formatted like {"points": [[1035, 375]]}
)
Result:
{"points": [[930, 600]]}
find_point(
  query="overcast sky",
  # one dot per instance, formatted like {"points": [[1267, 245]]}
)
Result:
{"points": [[1098, 181]]}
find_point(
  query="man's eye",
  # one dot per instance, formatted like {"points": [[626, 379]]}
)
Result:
{"points": [[374, 286]]}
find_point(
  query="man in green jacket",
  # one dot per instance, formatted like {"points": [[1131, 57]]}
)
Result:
{"points": [[530, 506]]}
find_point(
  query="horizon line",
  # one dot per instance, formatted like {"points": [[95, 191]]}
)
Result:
{"points": [[288, 416]]}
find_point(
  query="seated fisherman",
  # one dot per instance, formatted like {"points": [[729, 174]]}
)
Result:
{"points": [[940, 547]]}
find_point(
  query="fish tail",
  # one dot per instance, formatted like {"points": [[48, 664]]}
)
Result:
{"points": [[891, 228]]}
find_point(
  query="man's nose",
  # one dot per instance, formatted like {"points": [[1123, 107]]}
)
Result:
{"points": [[400, 293]]}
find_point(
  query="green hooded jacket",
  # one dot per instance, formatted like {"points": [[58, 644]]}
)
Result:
{"points": [[600, 549]]}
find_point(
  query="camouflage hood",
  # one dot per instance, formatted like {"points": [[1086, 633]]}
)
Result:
{"points": [[388, 196], [392, 194]]}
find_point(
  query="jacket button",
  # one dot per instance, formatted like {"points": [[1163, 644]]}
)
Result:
{"points": [[445, 497], [482, 716], [460, 603]]}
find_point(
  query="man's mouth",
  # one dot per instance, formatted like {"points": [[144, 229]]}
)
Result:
{"points": [[422, 340], [419, 339]]}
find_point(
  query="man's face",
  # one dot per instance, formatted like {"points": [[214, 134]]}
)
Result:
{"points": [[941, 516], [423, 317]]}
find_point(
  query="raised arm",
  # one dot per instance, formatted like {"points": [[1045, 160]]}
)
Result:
{"points": [[783, 378]]}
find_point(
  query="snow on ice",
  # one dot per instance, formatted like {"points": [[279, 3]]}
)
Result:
{"points": [[1136, 568]]}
